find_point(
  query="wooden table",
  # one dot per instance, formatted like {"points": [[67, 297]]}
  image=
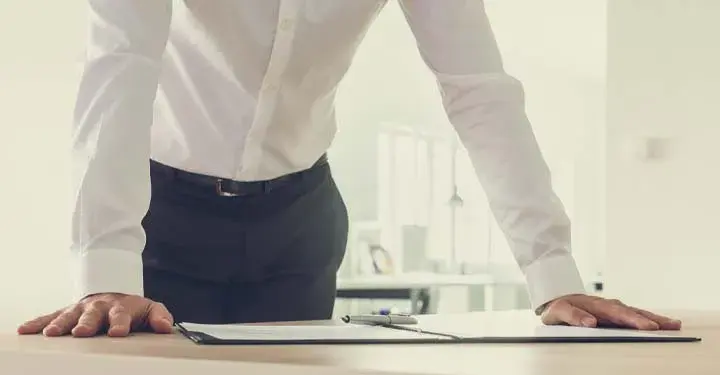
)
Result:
{"points": [[173, 354]]}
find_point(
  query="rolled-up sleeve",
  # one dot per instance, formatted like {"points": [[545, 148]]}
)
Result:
{"points": [[111, 142], [487, 108]]}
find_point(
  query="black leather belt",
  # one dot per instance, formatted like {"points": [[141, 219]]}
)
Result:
{"points": [[232, 188]]}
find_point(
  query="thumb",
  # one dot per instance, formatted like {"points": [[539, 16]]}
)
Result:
{"points": [[564, 312], [159, 318]]}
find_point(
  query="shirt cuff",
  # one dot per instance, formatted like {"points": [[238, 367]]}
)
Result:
{"points": [[109, 271], [552, 277]]}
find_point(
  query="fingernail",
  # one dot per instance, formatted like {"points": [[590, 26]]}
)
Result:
{"points": [[81, 328], [117, 331], [588, 322], [51, 330]]}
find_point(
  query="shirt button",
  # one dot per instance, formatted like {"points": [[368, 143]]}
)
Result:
{"points": [[286, 24], [271, 87]]}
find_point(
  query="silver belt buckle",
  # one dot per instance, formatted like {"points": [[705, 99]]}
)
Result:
{"points": [[219, 189]]}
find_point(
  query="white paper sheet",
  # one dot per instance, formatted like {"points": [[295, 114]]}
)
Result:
{"points": [[520, 326], [295, 332], [564, 331], [543, 331]]}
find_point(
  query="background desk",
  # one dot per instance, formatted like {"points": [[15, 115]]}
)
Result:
{"points": [[173, 354], [421, 289]]}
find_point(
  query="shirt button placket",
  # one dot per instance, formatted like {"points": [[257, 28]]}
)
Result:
{"points": [[279, 57]]}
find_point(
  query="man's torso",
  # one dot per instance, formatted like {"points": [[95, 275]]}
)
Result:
{"points": [[247, 87]]}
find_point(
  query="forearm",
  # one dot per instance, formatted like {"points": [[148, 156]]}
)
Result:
{"points": [[487, 108], [488, 113], [111, 144]]}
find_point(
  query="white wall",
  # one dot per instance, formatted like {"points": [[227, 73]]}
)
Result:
{"points": [[37, 84], [663, 215]]}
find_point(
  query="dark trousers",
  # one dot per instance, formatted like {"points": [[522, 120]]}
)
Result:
{"points": [[268, 256]]}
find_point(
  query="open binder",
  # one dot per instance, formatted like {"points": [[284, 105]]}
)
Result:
{"points": [[396, 334]]}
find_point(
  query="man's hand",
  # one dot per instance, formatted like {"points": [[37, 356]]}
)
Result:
{"points": [[589, 311], [116, 314]]}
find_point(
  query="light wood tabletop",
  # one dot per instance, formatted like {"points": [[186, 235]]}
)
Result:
{"points": [[162, 353]]}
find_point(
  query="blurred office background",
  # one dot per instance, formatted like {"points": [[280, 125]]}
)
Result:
{"points": [[622, 95]]}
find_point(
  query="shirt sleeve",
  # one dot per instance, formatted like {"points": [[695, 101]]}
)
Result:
{"points": [[111, 142], [487, 108]]}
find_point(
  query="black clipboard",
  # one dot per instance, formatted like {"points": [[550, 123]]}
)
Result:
{"points": [[425, 337]]}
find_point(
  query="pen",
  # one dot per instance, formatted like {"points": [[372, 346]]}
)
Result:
{"points": [[380, 319]]}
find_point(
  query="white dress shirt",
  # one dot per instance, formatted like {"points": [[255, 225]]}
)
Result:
{"points": [[245, 89]]}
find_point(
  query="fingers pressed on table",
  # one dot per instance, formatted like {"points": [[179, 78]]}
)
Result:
{"points": [[38, 324], [93, 318], [587, 311], [64, 322], [160, 319], [563, 312], [664, 322], [580, 318], [624, 316], [119, 321]]}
